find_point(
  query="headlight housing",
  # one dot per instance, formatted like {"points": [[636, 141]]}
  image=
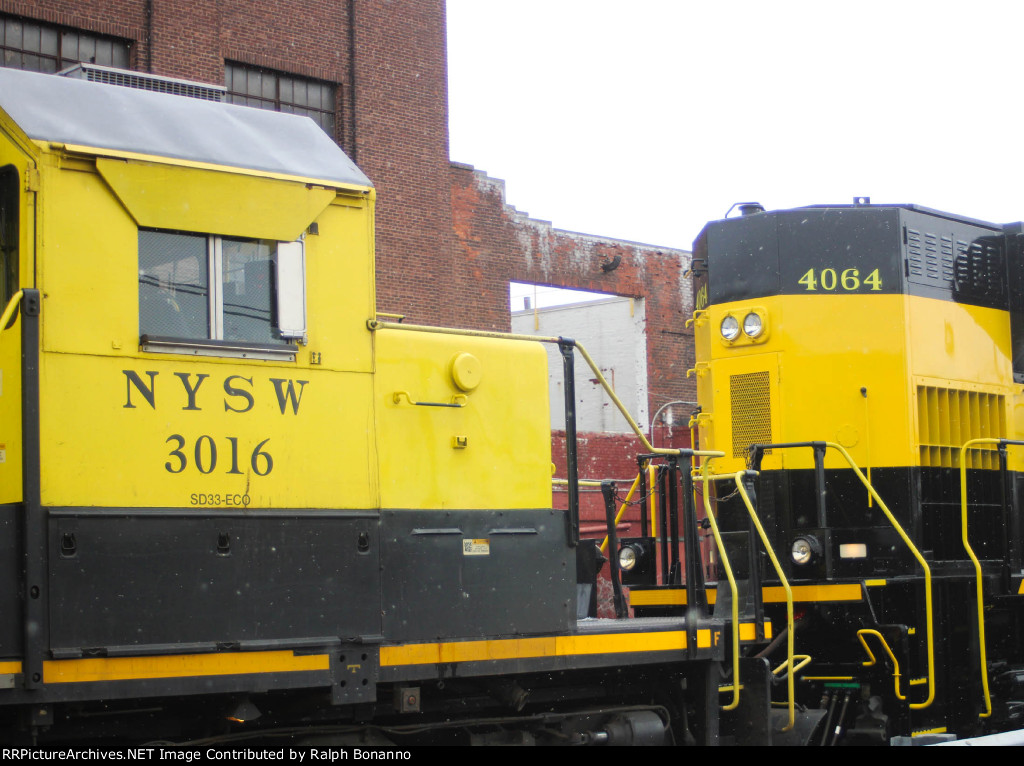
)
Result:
{"points": [[730, 328], [752, 325], [804, 550], [628, 558]]}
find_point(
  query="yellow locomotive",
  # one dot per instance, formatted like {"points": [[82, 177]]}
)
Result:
{"points": [[866, 361], [227, 486]]}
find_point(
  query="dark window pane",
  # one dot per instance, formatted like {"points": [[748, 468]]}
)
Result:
{"points": [[104, 53], [173, 285], [9, 189], [48, 41], [249, 291], [69, 46], [12, 35], [255, 87], [31, 38], [86, 49], [119, 56]]}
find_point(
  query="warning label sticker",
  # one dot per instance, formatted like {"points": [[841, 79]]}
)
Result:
{"points": [[481, 547]]}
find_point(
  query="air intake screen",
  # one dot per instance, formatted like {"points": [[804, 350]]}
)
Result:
{"points": [[948, 417], [750, 400]]}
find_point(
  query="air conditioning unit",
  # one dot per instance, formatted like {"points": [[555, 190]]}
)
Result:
{"points": [[143, 81]]}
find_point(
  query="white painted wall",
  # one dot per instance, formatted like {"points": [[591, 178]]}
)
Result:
{"points": [[614, 332]]}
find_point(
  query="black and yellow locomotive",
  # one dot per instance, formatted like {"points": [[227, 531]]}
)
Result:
{"points": [[863, 365]]}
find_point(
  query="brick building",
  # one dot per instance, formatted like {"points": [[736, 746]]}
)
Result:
{"points": [[373, 74]]}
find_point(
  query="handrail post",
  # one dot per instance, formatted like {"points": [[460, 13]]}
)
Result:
{"points": [[565, 346], [661, 479], [34, 536], [672, 488], [608, 491], [819, 483], [641, 481], [696, 597], [741, 477]]}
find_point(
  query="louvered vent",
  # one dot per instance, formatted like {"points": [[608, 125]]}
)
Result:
{"points": [[948, 417], [750, 400], [976, 270], [143, 81], [980, 270]]}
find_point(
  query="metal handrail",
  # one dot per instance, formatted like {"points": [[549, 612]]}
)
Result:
{"points": [[906, 540], [974, 559], [804, 661], [706, 477], [12, 306], [790, 624], [885, 645]]}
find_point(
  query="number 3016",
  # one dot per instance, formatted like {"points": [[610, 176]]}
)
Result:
{"points": [[848, 280]]}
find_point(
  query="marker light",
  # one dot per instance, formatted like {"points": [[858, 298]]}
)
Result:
{"points": [[730, 328], [752, 325], [853, 551]]}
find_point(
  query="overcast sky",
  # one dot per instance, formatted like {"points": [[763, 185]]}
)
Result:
{"points": [[641, 121]]}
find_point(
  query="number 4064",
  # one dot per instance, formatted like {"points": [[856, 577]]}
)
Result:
{"points": [[847, 279]]}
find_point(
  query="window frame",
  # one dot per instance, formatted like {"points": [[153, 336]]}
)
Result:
{"points": [[58, 59], [276, 103], [215, 344]]}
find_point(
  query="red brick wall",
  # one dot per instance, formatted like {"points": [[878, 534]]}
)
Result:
{"points": [[401, 100], [495, 244]]}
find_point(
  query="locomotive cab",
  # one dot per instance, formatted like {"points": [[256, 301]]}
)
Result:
{"points": [[212, 471]]}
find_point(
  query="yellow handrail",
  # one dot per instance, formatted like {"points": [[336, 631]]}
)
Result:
{"points": [[790, 625], [805, 660], [732, 584], [12, 306], [652, 474], [885, 645], [920, 560], [977, 564]]}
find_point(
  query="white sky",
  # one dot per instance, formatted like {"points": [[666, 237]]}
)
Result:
{"points": [[643, 120]]}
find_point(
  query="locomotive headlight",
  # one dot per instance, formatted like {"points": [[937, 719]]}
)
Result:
{"points": [[730, 328], [752, 325], [628, 557], [804, 549]]}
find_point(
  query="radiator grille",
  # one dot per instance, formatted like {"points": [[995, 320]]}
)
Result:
{"points": [[751, 411], [948, 417]]}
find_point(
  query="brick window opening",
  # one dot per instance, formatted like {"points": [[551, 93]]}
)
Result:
{"points": [[46, 48], [280, 92]]}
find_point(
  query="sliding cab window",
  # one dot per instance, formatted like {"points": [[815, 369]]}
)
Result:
{"points": [[220, 296]]}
